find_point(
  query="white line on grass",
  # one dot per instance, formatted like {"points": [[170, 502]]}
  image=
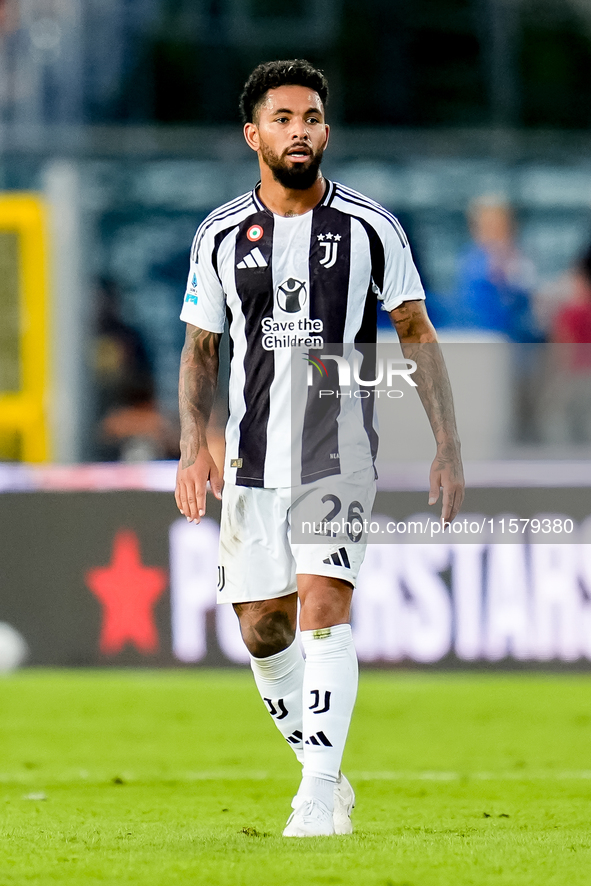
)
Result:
{"points": [[263, 775], [363, 775], [520, 775]]}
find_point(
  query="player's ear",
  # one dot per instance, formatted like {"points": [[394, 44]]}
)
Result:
{"points": [[251, 134], [327, 127]]}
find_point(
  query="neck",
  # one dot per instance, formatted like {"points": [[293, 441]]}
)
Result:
{"points": [[287, 201]]}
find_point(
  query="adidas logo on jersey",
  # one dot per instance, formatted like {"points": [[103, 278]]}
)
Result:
{"points": [[254, 259]]}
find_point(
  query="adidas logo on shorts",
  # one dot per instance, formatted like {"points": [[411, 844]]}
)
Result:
{"points": [[339, 558]]}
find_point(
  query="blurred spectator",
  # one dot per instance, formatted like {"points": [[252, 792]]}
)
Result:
{"points": [[495, 278], [8, 16], [572, 323], [120, 355], [131, 427], [566, 401], [136, 430]]}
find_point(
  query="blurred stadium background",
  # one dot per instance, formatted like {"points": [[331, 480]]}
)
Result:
{"points": [[119, 132]]}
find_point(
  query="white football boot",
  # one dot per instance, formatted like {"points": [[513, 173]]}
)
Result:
{"points": [[344, 801], [310, 818]]}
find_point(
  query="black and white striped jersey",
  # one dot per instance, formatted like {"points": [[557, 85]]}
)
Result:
{"points": [[288, 285]]}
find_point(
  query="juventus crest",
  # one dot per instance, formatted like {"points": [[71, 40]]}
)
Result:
{"points": [[330, 242]]}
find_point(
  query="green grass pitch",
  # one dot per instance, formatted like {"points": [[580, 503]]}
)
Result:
{"points": [[163, 778]]}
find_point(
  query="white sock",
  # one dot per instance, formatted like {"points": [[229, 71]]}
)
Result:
{"points": [[319, 788], [279, 680], [330, 689]]}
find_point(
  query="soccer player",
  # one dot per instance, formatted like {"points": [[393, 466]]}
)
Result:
{"points": [[298, 261]]}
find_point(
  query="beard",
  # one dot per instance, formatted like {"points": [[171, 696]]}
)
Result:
{"points": [[298, 177]]}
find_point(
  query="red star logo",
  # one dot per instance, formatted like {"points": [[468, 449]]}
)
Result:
{"points": [[128, 591]]}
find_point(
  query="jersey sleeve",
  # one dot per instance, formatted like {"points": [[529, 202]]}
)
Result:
{"points": [[401, 278], [205, 301]]}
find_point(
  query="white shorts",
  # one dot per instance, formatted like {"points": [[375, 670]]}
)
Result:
{"points": [[263, 532]]}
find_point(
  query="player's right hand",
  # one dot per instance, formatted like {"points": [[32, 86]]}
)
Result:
{"points": [[191, 485]]}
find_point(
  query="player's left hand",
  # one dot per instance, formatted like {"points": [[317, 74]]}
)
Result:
{"points": [[447, 474]]}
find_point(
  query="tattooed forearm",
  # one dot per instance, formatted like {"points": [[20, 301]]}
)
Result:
{"points": [[197, 385], [434, 390], [419, 343]]}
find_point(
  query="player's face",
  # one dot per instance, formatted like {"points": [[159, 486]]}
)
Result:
{"points": [[290, 135]]}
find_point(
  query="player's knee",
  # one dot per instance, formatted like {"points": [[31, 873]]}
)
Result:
{"points": [[325, 608], [267, 634]]}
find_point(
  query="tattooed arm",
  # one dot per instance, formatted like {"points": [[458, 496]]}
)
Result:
{"points": [[197, 384], [419, 343]]}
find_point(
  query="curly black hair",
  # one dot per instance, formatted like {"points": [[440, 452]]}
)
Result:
{"points": [[271, 75]]}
